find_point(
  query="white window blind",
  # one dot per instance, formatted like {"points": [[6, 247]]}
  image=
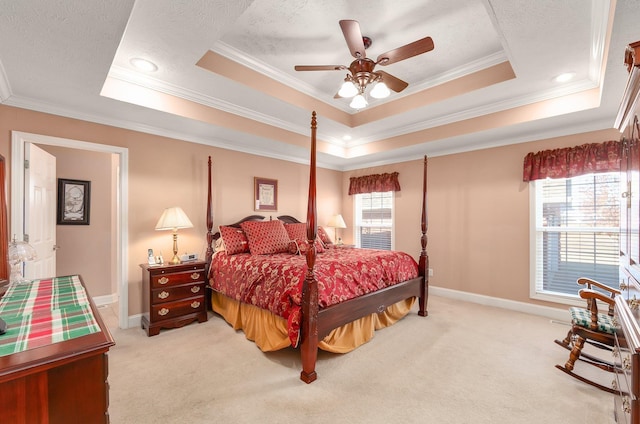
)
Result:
{"points": [[374, 220], [577, 227]]}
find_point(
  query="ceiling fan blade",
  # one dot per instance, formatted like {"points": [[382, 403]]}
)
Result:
{"points": [[320, 67], [401, 53], [353, 36], [395, 84]]}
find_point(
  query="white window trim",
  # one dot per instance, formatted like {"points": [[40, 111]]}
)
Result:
{"points": [[533, 234], [354, 234]]}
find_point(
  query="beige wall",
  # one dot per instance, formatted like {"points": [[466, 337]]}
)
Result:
{"points": [[478, 236], [164, 172], [478, 213]]}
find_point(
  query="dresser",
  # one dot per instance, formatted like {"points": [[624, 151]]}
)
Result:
{"points": [[53, 370], [173, 295], [627, 404], [627, 355]]}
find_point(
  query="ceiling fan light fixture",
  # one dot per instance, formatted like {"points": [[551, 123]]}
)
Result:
{"points": [[358, 102], [380, 90], [348, 89]]}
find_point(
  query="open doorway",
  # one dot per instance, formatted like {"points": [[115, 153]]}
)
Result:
{"points": [[117, 224]]}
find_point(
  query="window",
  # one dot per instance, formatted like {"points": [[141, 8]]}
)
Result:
{"points": [[575, 229], [374, 220]]}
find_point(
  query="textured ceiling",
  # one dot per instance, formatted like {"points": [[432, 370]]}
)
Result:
{"points": [[226, 71]]}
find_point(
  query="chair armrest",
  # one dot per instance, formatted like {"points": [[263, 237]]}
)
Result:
{"points": [[590, 294], [590, 283], [592, 297]]}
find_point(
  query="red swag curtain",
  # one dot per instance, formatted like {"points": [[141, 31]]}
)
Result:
{"points": [[375, 182], [573, 161]]}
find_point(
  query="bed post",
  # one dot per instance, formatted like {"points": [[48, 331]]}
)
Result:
{"points": [[423, 264], [309, 326], [209, 251]]}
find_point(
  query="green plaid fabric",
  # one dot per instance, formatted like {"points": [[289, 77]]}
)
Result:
{"points": [[582, 317], [45, 311]]}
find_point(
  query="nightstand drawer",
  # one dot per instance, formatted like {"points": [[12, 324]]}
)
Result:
{"points": [[171, 293], [178, 308], [174, 279]]}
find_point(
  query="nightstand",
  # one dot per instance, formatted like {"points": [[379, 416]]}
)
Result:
{"points": [[173, 295]]}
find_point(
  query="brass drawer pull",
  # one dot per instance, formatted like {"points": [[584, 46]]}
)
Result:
{"points": [[163, 280], [626, 363], [195, 275], [626, 407], [195, 304], [163, 295], [162, 312], [195, 289], [614, 384]]}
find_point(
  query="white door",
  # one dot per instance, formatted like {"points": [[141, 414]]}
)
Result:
{"points": [[40, 211]]}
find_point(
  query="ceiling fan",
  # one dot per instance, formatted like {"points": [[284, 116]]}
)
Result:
{"points": [[362, 71]]}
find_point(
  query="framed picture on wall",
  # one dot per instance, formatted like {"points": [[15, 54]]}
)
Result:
{"points": [[74, 198], [266, 194]]}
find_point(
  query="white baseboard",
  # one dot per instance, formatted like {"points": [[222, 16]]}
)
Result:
{"points": [[107, 299], [134, 320], [556, 314]]}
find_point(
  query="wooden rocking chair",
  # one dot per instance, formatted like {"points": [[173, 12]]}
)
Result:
{"points": [[590, 326]]}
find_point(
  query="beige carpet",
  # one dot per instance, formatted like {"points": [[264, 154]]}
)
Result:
{"points": [[464, 363]]}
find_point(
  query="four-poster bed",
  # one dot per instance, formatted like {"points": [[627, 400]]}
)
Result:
{"points": [[311, 312]]}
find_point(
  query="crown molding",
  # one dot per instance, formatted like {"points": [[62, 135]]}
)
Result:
{"points": [[5, 87]]}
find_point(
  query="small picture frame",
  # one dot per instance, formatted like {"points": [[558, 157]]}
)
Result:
{"points": [[266, 194], [74, 201]]}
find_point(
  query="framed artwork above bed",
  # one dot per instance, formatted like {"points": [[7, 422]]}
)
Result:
{"points": [[266, 194]]}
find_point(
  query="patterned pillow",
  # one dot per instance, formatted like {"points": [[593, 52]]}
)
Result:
{"points": [[235, 240], [266, 237], [322, 234], [298, 232], [303, 246]]}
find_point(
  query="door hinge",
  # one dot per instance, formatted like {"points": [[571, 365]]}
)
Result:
{"points": [[25, 238], [26, 164]]}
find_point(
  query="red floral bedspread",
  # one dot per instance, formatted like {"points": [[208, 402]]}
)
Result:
{"points": [[274, 282]]}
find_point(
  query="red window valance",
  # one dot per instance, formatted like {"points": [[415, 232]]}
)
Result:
{"points": [[573, 161], [375, 182]]}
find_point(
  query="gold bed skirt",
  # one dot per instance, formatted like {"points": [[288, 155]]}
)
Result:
{"points": [[269, 331]]}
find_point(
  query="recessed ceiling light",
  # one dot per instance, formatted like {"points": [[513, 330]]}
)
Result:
{"points": [[567, 76], [346, 137], [143, 64]]}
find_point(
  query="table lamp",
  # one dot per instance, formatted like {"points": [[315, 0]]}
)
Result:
{"points": [[173, 219], [336, 222], [19, 252]]}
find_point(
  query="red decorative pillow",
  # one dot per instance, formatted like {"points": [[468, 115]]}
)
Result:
{"points": [[266, 237], [293, 247], [235, 240], [298, 232], [322, 234], [303, 246]]}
